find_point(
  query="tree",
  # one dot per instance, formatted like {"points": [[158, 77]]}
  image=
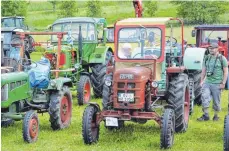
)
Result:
{"points": [[151, 7], [12, 8], [54, 3], [93, 8], [67, 8], [200, 12]]}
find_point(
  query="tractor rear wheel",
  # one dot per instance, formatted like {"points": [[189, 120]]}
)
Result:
{"points": [[30, 127], [90, 130], [226, 133], [84, 90], [192, 95], [179, 98], [60, 109], [6, 122], [98, 73], [167, 128], [197, 87]]}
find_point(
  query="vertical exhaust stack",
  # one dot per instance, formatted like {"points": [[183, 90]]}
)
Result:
{"points": [[80, 46]]}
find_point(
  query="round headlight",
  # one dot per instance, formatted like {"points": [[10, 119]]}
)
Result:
{"points": [[154, 84], [108, 82], [53, 83]]}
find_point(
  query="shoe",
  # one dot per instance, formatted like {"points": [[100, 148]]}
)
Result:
{"points": [[203, 118], [215, 118]]}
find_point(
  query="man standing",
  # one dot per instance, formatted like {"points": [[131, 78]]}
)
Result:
{"points": [[213, 79]]}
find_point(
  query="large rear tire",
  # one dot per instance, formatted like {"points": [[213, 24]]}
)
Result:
{"points": [[179, 98], [90, 130], [107, 94], [197, 87], [226, 133], [167, 129], [98, 73], [60, 109]]}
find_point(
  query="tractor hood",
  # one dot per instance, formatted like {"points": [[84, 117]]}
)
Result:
{"points": [[13, 76], [133, 73]]}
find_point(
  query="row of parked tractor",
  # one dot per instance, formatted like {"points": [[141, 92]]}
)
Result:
{"points": [[84, 54]]}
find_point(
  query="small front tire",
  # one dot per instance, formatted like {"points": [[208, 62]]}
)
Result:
{"points": [[167, 129], [30, 127]]}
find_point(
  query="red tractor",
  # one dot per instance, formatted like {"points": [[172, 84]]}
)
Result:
{"points": [[207, 34], [148, 75]]}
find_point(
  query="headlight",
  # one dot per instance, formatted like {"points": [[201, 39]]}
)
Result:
{"points": [[154, 84], [53, 83], [108, 82]]}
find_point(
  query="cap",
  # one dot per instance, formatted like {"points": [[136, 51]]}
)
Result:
{"points": [[214, 45]]}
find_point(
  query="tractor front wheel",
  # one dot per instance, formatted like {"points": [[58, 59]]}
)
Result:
{"points": [[84, 90], [60, 109], [167, 129], [90, 130], [226, 133], [179, 98], [6, 122], [30, 127]]}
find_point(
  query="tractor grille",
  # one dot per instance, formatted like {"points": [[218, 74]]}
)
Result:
{"points": [[126, 88], [129, 85], [4, 92]]}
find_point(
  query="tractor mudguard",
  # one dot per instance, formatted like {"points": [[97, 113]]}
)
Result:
{"points": [[99, 56], [193, 58], [95, 105], [58, 83]]}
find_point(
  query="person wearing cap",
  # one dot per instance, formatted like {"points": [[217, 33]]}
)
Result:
{"points": [[125, 51], [213, 79]]}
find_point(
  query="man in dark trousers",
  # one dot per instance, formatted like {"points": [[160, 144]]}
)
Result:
{"points": [[213, 80]]}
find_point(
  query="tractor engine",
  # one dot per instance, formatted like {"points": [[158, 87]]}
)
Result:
{"points": [[129, 87]]}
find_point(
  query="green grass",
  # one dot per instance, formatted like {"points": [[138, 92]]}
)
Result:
{"points": [[200, 135]]}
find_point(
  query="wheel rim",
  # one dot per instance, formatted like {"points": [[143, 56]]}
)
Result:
{"points": [[65, 110], [186, 105], [33, 128], [87, 92]]}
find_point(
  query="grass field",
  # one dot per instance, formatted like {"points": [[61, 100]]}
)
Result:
{"points": [[200, 136]]}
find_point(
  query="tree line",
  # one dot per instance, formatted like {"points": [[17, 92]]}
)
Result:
{"points": [[193, 12]]}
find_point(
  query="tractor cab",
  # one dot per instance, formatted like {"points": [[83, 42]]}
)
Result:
{"points": [[14, 21], [207, 34]]}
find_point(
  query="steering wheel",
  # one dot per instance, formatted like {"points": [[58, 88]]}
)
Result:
{"points": [[151, 55], [174, 40], [26, 63]]}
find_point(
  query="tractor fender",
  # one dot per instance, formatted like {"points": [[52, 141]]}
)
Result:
{"points": [[95, 105], [85, 73], [99, 55], [193, 58], [58, 83]]}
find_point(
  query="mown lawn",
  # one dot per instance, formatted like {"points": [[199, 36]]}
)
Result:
{"points": [[201, 136]]}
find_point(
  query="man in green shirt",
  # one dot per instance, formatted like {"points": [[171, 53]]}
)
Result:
{"points": [[213, 79]]}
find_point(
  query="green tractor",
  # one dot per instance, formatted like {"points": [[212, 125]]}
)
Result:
{"points": [[84, 55], [29, 91], [152, 74]]}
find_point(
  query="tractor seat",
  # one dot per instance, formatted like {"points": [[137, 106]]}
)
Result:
{"points": [[39, 75]]}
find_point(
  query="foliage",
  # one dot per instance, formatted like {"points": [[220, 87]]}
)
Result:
{"points": [[200, 12], [12, 8], [54, 3], [151, 8], [67, 8], [93, 8]]}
